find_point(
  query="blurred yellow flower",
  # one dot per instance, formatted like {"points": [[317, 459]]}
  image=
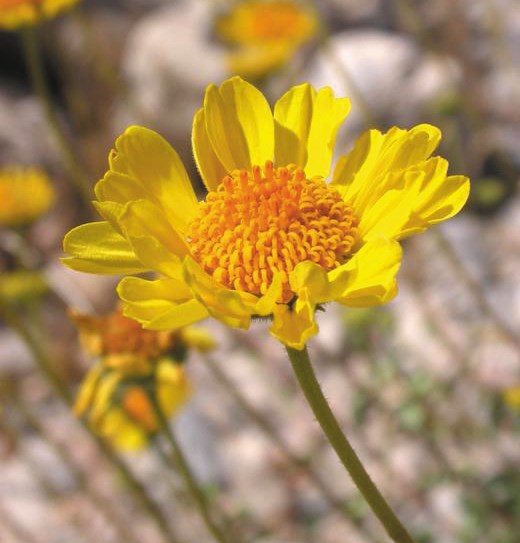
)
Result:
{"points": [[17, 13], [22, 286], [25, 195], [133, 363], [264, 34], [512, 397], [271, 238]]}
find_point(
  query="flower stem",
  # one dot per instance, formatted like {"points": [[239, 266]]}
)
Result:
{"points": [[34, 65], [191, 483], [46, 367], [311, 388]]}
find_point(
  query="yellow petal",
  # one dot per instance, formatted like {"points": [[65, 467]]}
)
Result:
{"points": [[156, 168], [180, 315], [388, 215], [229, 306], [313, 278], [144, 218], [110, 211], [148, 302], [210, 168], [173, 387], [369, 277], [157, 244], [239, 124], [87, 390], [306, 124], [104, 396], [266, 303], [294, 326], [360, 176], [198, 338], [440, 199], [122, 432], [97, 248]]}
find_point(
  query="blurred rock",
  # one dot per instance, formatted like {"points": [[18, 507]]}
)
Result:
{"points": [[394, 76], [169, 61], [353, 11], [24, 133], [14, 355]]}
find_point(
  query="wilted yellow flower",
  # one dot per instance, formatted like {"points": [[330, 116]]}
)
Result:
{"points": [[25, 195], [264, 34], [271, 238], [16, 13], [133, 363]]}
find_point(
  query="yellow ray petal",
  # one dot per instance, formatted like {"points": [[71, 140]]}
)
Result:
{"points": [[294, 326], [388, 215], [210, 168], [313, 278], [306, 125], [442, 198], [230, 306], [369, 277], [97, 248], [143, 217], [360, 175], [239, 124], [144, 300], [154, 165]]}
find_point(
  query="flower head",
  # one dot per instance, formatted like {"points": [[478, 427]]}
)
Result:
{"points": [[272, 238], [25, 195], [133, 364], [17, 13], [264, 34]]}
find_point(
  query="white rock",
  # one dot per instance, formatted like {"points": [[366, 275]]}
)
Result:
{"points": [[169, 61], [392, 74]]}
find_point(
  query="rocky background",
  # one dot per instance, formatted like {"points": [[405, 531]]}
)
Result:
{"points": [[418, 385]]}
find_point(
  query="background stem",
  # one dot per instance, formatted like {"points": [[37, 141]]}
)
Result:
{"points": [[35, 67], [182, 465]]}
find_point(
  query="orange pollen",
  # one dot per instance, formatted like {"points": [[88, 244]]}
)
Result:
{"points": [[266, 221], [121, 335]]}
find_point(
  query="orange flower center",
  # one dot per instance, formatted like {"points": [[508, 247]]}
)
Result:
{"points": [[276, 20], [119, 334], [260, 223]]}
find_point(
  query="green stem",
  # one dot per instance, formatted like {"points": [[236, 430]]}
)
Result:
{"points": [[46, 367], [180, 461], [311, 388], [34, 64]]}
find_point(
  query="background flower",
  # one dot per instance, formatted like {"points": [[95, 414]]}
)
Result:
{"points": [[134, 366], [25, 195], [17, 13]]}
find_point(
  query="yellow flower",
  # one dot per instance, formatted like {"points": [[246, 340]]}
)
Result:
{"points": [[271, 238], [264, 34], [114, 397], [22, 286], [512, 397], [25, 195], [17, 13]]}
